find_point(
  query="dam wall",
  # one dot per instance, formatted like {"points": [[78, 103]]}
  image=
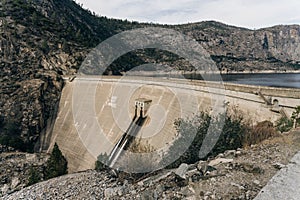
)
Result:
{"points": [[113, 110]]}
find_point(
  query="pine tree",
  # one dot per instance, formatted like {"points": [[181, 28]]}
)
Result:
{"points": [[56, 165], [34, 176], [35, 18], [45, 47]]}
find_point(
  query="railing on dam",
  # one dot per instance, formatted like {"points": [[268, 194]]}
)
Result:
{"points": [[175, 82]]}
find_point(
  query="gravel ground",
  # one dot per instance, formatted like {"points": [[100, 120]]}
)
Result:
{"points": [[237, 174]]}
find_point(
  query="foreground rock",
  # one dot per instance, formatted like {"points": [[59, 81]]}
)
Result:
{"points": [[15, 170], [240, 175]]}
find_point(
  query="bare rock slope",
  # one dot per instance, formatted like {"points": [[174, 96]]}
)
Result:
{"points": [[236, 174]]}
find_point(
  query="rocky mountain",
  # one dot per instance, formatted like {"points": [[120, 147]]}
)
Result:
{"points": [[39, 42], [43, 40], [240, 49]]}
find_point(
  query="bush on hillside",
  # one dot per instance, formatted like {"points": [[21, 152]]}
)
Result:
{"points": [[232, 136], [236, 133], [99, 165], [10, 132], [56, 165], [141, 163], [16, 142], [296, 116], [286, 124], [34, 176]]}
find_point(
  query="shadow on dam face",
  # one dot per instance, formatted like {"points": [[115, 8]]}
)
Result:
{"points": [[141, 107], [114, 108]]}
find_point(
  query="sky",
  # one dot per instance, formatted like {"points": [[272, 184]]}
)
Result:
{"points": [[251, 14]]}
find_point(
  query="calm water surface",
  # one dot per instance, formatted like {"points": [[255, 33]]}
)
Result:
{"points": [[287, 80], [283, 80], [274, 80]]}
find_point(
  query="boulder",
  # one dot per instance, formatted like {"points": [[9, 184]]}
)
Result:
{"points": [[15, 182], [230, 154], [218, 161], [182, 170], [202, 166]]}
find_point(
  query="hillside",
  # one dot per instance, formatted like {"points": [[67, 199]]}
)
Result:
{"points": [[240, 49], [39, 42], [42, 40]]}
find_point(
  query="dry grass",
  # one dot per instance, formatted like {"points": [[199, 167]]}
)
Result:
{"points": [[138, 147], [253, 134], [260, 132], [140, 162]]}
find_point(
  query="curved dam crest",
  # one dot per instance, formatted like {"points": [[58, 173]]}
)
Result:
{"points": [[114, 109]]}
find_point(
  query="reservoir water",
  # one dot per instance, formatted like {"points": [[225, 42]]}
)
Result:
{"points": [[289, 80], [285, 80]]}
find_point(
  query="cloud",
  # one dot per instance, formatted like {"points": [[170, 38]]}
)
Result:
{"points": [[251, 14]]}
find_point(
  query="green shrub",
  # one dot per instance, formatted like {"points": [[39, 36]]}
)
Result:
{"points": [[232, 137], [284, 124], [12, 128], [45, 47], [99, 165], [296, 116], [34, 176], [56, 165], [13, 141]]}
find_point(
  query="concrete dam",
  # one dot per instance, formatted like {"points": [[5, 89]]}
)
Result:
{"points": [[98, 114]]}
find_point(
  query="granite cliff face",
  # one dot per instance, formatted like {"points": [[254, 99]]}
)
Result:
{"points": [[33, 58], [40, 41], [239, 49]]}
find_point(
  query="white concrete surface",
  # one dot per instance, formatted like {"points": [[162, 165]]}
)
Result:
{"points": [[285, 185]]}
